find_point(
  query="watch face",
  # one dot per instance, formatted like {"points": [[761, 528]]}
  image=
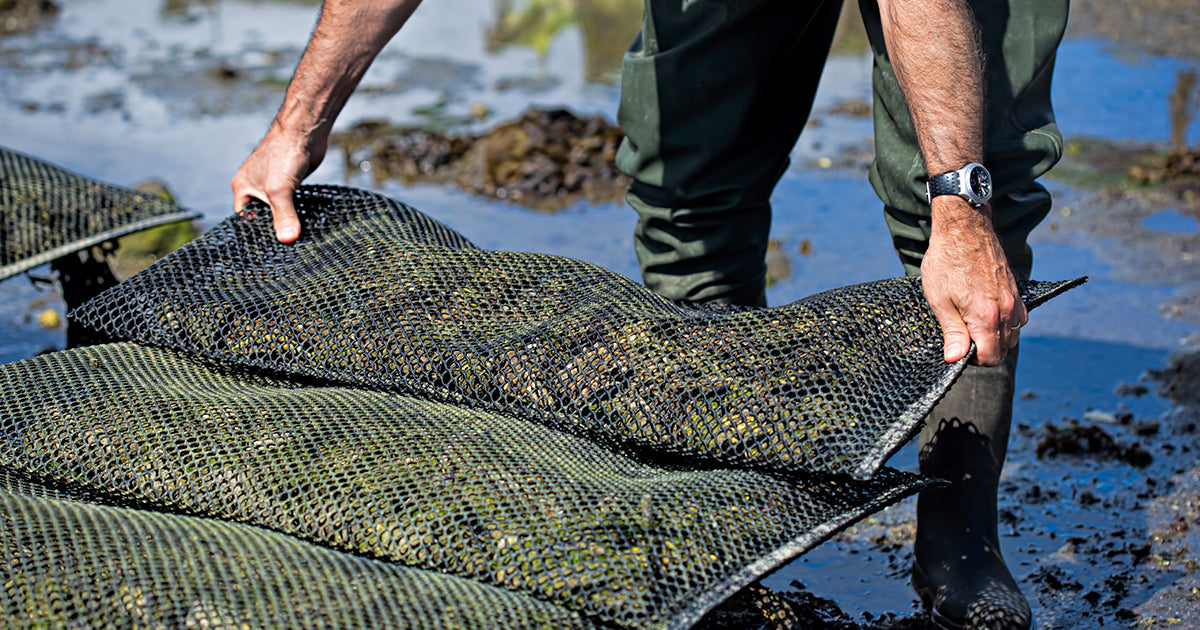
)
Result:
{"points": [[980, 182]]}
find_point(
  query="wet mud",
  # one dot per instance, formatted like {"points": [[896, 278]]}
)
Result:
{"points": [[1106, 508]]}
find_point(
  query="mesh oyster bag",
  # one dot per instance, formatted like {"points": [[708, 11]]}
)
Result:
{"points": [[378, 295], [47, 212], [494, 438], [73, 563], [143, 486]]}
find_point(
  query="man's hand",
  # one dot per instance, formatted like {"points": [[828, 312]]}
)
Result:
{"points": [[346, 40], [968, 283], [272, 173]]}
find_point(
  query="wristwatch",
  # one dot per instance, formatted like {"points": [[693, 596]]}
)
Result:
{"points": [[972, 182]]}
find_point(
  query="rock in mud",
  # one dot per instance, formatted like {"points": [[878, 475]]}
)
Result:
{"points": [[1180, 380], [19, 16]]}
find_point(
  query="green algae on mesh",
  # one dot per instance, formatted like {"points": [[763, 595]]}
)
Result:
{"points": [[88, 565], [382, 297], [51, 212], [498, 500]]}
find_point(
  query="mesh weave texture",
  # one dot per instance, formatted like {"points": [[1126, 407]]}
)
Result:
{"points": [[379, 295], [70, 563], [47, 212], [339, 476], [385, 426]]}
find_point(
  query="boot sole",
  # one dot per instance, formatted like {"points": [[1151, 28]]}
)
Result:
{"points": [[920, 584]]}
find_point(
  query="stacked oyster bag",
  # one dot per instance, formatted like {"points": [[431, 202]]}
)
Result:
{"points": [[49, 212], [289, 429]]}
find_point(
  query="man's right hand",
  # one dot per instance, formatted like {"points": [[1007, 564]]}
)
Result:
{"points": [[273, 171], [346, 40], [969, 285]]}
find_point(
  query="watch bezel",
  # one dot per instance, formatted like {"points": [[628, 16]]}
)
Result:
{"points": [[967, 183]]}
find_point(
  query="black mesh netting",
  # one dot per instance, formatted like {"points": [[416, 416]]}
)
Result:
{"points": [[301, 501], [384, 426], [48, 212], [378, 295], [73, 564]]}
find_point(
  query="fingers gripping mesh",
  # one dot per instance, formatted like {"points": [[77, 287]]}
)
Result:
{"points": [[378, 295], [48, 212], [503, 504]]}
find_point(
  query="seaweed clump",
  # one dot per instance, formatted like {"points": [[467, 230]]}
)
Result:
{"points": [[19, 16], [1178, 168], [1078, 439], [547, 159]]}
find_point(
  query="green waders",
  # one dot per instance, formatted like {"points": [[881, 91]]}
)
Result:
{"points": [[713, 97], [714, 94]]}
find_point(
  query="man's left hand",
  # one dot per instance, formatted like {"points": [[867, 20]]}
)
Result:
{"points": [[969, 285]]}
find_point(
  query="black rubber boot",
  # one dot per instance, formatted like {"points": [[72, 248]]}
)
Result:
{"points": [[958, 570]]}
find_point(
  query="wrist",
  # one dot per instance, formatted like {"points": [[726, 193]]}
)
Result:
{"points": [[297, 119], [953, 215], [971, 182], [300, 130]]}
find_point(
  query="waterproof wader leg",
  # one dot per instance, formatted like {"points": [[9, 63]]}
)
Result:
{"points": [[958, 570], [713, 97]]}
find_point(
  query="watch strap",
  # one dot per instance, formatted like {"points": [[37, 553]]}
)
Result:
{"points": [[944, 184]]}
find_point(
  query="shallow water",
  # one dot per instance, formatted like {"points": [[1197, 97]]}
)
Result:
{"points": [[1171, 221], [123, 93]]}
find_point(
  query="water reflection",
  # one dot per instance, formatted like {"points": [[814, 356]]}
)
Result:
{"points": [[607, 26], [1171, 221]]}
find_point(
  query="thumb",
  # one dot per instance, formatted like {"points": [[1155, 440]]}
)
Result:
{"points": [[956, 340], [287, 224]]}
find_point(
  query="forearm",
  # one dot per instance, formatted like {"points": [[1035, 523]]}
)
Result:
{"points": [[347, 38], [934, 51], [935, 54]]}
